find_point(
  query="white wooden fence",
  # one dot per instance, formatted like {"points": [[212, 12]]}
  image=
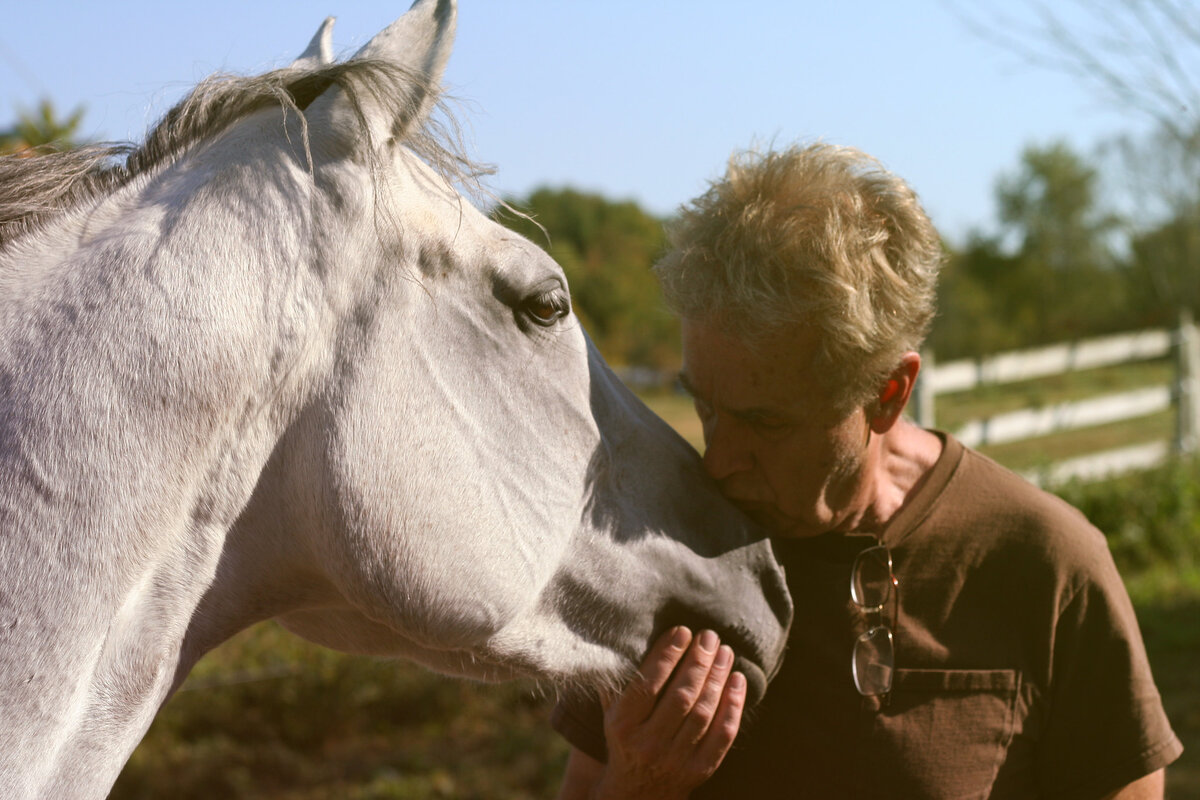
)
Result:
{"points": [[1183, 394]]}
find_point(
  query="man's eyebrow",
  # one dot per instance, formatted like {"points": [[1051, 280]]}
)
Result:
{"points": [[744, 413]]}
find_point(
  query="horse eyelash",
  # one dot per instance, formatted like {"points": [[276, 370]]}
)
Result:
{"points": [[555, 299]]}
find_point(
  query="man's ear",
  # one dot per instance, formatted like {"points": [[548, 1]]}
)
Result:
{"points": [[893, 395]]}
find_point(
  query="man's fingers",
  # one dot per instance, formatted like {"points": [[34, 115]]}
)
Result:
{"points": [[686, 686], [637, 702], [723, 728], [674, 724], [704, 709]]}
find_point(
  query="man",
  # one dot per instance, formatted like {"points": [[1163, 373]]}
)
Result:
{"points": [[958, 633]]}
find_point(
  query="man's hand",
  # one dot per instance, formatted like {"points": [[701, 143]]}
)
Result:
{"points": [[667, 733]]}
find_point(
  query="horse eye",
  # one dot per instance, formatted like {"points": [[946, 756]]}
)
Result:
{"points": [[546, 309]]}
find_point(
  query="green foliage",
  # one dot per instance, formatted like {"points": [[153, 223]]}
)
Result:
{"points": [[983, 303], [606, 248], [1050, 204], [41, 127], [1150, 518], [1167, 601], [1165, 270], [1050, 272]]}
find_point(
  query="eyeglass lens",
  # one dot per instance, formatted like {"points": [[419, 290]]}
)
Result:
{"points": [[873, 661], [871, 581], [873, 658]]}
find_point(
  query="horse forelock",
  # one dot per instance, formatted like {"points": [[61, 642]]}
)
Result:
{"points": [[36, 188]]}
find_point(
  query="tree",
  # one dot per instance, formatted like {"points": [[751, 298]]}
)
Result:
{"points": [[41, 127], [606, 248], [1051, 205], [1165, 270], [1047, 275], [1139, 55], [1064, 265], [1161, 180], [984, 302]]}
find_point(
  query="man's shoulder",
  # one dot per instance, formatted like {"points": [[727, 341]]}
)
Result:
{"points": [[991, 484], [1007, 514]]}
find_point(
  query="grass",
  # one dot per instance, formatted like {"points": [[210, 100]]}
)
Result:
{"points": [[1167, 600], [1044, 450], [676, 408]]}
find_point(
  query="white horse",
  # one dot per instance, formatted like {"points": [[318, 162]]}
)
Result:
{"points": [[271, 365]]}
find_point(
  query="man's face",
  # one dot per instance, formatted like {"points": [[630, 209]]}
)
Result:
{"points": [[772, 439]]}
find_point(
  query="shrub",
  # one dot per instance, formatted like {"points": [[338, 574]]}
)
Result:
{"points": [[1150, 517]]}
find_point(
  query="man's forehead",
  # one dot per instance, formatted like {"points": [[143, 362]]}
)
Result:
{"points": [[713, 340], [771, 369]]}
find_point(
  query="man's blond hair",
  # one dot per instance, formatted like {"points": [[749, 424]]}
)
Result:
{"points": [[813, 237]]}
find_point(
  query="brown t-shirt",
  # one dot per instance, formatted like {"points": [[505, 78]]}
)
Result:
{"points": [[1020, 668]]}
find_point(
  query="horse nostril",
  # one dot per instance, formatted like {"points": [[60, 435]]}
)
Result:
{"points": [[778, 597]]}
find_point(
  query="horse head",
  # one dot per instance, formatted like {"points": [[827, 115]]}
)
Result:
{"points": [[278, 367], [476, 488]]}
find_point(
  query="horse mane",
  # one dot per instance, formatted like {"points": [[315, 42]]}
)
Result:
{"points": [[34, 188]]}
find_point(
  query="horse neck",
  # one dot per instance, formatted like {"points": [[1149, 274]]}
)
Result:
{"points": [[144, 381]]}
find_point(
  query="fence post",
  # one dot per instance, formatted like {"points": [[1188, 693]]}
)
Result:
{"points": [[923, 408], [1187, 390]]}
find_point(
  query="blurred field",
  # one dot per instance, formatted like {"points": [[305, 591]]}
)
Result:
{"points": [[269, 716], [676, 409], [1168, 608]]}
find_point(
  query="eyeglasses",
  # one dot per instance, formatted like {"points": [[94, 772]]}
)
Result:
{"points": [[872, 584]]}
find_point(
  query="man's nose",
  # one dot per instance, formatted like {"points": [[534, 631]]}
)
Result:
{"points": [[725, 452]]}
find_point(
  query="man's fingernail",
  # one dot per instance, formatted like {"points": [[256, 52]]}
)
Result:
{"points": [[709, 641], [736, 682], [724, 657], [680, 637]]}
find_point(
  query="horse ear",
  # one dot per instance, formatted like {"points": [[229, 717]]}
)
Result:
{"points": [[319, 52], [419, 44], [419, 41]]}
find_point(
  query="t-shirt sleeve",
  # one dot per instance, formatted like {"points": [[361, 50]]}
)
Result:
{"points": [[1105, 726], [579, 718]]}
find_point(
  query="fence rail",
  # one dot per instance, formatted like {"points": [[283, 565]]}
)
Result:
{"points": [[1183, 394], [1021, 365], [1029, 423]]}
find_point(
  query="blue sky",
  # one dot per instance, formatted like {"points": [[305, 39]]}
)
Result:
{"points": [[635, 100]]}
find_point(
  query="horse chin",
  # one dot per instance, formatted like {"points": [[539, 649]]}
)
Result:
{"points": [[756, 680]]}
